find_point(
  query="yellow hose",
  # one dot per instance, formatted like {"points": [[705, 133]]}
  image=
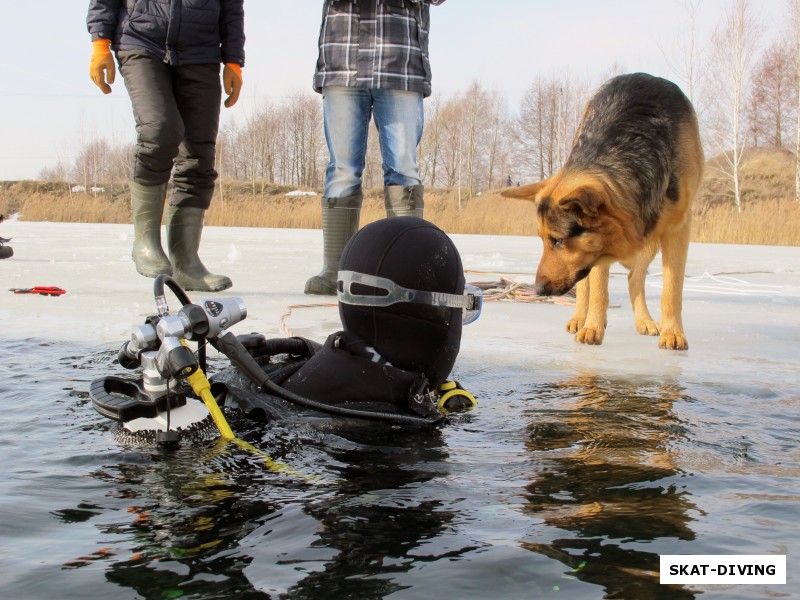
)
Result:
{"points": [[202, 388]]}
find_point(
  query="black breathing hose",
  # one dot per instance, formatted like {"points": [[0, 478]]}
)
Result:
{"points": [[231, 347], [161, 305], [158, 289]]}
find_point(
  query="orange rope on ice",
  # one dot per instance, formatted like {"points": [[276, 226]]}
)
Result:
{"points": [[510, 290], [282, 321]]}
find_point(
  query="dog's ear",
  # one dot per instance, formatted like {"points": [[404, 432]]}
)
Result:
{"points": [[525, 192], [585, 204]]}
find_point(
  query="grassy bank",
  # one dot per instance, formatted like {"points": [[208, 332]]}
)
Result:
{"points": [[769, 216]]}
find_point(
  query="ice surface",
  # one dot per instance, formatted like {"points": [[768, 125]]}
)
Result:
{"points": [[740, 302]]}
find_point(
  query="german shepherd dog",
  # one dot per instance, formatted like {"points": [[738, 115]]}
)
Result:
{"points": [[624, 192]]}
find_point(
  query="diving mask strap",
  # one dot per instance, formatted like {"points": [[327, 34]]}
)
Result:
{"points": [[471, 301]]}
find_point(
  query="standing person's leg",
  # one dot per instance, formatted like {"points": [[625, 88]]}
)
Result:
{"points": [[400, 118], [159, 130], [198, 93], [346, 113]]}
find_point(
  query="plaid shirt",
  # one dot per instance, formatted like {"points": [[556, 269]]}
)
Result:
{"points": [[377, 44]]}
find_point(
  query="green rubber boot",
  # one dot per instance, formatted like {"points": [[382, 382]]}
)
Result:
{"points": [[184, 229], [404, 200], [340, 217], [147, 208]]}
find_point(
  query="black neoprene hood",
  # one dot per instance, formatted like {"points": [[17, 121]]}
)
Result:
{"points": [[415, 254]]}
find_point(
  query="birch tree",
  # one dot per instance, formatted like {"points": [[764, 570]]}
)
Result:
{"points": [[684, 58], [794, 19], [733, 48]]}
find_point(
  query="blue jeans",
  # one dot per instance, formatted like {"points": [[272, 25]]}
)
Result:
{"points": [[399, 119]]}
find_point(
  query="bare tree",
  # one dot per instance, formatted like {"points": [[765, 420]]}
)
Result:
{"points": [[474, 104], [121, 161], [266, 141], [254, 125], [260, 142], [303, 120], [450, 117], [684, 58], [93, 164], [496, 131], [771, 96], [230, 146], [794, 19], [55, 173], [279, 143], [430, 146], [466, 141], [538, 127], [572, 99], [549, 115], [733, 48]]}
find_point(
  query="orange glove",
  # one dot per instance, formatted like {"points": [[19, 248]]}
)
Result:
{"points": [[101, 67], [231, 83]]}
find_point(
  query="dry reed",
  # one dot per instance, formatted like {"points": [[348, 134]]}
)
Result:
{"points": [[488, 215], [64, 207], [770, 215], [767, 223]]}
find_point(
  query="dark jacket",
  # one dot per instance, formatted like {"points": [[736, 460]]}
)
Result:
{"points": [[180, 32]]}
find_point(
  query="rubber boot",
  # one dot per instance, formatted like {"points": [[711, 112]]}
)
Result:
{"points": [[340, 217], [404, 200], [147, 207], [184, 229]]}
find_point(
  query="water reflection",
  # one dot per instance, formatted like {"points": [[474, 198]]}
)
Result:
{"points": [[581, 473], [376, 520], [213, 522], [184, 514], [608, 482]]}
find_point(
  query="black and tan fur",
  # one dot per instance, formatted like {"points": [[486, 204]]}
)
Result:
{"points": [[624, 192]]}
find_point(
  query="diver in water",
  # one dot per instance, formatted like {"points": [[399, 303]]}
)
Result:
{"points": [[402, 302]]}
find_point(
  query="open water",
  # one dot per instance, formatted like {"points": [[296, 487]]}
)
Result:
{"points": [[577, 470], [555, 487]]}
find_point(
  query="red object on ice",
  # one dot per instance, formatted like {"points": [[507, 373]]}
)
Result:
{"points": [[44, 290]]}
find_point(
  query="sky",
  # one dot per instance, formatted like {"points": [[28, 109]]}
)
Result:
{"points": [[49, 107]]}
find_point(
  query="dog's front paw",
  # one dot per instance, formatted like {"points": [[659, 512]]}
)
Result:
{"points": [[648, 327], [575, 324], [588, 335], [673, 340]]}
